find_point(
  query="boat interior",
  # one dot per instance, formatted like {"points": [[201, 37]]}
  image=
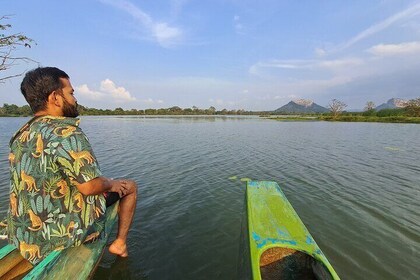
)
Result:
{"points": [[14, 266], [284, 263]]}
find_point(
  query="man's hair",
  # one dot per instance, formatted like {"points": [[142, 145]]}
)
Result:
{"points": [[38, 85]]}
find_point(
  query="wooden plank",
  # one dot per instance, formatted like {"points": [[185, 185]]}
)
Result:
{"points": [[272, 223], [43, 267], [9, 261], [19, 270], [78, 262], [84, 259]]}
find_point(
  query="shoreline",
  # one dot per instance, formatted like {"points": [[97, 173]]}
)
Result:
{"points": [[285, 118], [391, 119]]}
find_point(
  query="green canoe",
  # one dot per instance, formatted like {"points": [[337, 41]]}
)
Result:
{"points": [[72, 263], [277, 244]]}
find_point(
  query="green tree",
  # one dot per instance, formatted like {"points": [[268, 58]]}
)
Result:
{"points": [[119, 111], [9, 42], [211, 110], [175, 110], [391, 112], [369, 109], [188, 111], [10, 110], [413, 107], [25, 110], [150, 111]]}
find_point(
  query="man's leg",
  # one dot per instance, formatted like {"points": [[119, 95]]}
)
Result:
{"points": [[125, 217]]}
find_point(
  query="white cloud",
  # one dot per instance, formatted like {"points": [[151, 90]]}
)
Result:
{"points": [[319, 75], [221, 102], [84, 90], [309, 87], [339, 63], [405, 14], [118, 93], [161, 32], [331, 65], [108, 91], [151, 101], [165, 34], [395, 49], [320, 52], [287, 97]]}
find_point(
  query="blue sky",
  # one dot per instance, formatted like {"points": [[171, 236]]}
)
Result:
{"points": [[234, 54]]}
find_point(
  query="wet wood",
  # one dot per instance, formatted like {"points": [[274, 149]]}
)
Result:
{"points": [[79, 262], [14, 266], [289, 265], [9, 261], [18, 271], [274, 254]]}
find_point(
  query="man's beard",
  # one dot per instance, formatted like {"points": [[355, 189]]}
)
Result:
{"points": [[69, 110]]}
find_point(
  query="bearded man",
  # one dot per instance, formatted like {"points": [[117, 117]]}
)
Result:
{"points": [[58, 195]]}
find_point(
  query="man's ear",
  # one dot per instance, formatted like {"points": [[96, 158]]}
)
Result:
{"points": [[53, 98]]}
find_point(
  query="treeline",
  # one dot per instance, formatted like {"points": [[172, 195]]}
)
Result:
{"points": [[175, 110], [411, 109], [14, 110], [408, 114]]}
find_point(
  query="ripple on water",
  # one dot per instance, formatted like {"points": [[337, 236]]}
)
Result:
{"points": [[358, 199]]}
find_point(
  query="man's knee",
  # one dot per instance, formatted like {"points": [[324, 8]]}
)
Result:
{"points": [[132, 187]]}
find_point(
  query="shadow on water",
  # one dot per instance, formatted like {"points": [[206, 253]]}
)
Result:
{"points": [[112, 267]]}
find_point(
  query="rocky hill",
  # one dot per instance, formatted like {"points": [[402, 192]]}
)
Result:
{"points": [[393, 103], [301, 106]]}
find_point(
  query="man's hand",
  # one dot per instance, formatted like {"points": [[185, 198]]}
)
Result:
{"points": [[123, 187], [102, 184]]}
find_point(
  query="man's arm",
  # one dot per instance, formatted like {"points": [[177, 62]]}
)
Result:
{"points": [[102, 184]]}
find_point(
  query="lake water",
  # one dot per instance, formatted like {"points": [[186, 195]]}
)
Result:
{"points": [[356, 186]]}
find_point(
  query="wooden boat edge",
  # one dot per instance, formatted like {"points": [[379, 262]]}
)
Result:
{"points": [[41, 270], [318, 255]]}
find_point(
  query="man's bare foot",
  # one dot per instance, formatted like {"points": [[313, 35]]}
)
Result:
{"points": [[119, 247]]}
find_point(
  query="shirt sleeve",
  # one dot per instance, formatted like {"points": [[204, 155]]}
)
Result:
{"points": [[76, 158]]}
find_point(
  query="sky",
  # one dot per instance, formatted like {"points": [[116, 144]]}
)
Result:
{"points": [[233, 54]]}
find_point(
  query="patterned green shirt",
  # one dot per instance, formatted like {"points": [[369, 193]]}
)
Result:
{"points": [[49, 157]]}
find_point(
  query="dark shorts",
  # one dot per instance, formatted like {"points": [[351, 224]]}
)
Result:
{"points": [[111, 198]]}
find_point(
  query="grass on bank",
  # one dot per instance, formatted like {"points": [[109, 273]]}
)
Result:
{"points": [[401, 115], [391, 119]]}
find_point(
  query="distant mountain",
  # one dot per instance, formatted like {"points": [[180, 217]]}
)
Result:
{"points": [[301, 106], [393, 103]]}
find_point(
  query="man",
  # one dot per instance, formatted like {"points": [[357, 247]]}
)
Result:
{"points": [[58, 195]]}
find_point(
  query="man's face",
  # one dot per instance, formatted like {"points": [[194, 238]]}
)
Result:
{"points": [[69, 101]]}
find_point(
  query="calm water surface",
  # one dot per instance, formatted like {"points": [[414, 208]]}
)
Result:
{"points": [[356, 186]]}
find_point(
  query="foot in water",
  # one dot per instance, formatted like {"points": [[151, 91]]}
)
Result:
{"points": [[119, 247]]}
